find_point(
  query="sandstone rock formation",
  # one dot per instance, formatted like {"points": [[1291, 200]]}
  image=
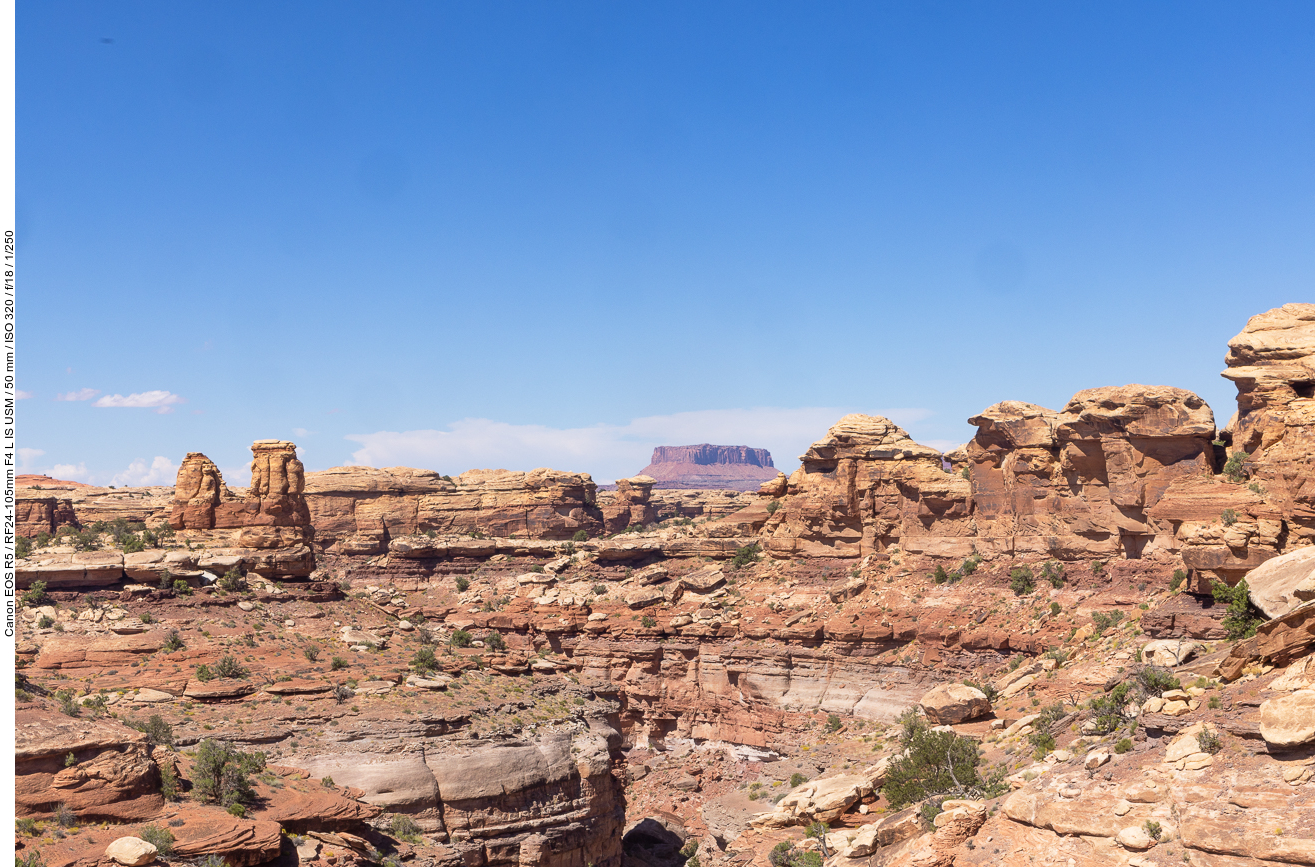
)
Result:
{"points": [[738, 468], [1279, 585], [954, 703], [630, 504], [198, 491], [358, 509]]}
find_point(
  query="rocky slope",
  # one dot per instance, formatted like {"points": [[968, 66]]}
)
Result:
{"points": [[737, 468]]}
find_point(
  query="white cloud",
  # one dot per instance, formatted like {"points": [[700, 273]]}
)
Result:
{"points": [[70, 473], [23, 395], [161, 471], [160, 401], [27, 456], [80, 394], [302, 432], [606, 451]]}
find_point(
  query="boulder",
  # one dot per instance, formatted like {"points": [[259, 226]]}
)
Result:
{"points": [[954, 703], [642, 597], [1169, 652], [130, 852], [1279, 585], [1289, 720], [1135, 838]]}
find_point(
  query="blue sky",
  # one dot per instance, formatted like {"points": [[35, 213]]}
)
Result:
{"points": [[524, 234]]}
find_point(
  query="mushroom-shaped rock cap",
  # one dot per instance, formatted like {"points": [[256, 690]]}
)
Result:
{"points": [[867, 436], [1015, 424], [1137, 410], [1283, 337]]}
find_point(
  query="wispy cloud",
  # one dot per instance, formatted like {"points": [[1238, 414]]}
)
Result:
{"points": [[27, 456], [607, 451], [160, 401], [302, 432], [70, 472], [80, 394], [23, 395], [161, 471]]}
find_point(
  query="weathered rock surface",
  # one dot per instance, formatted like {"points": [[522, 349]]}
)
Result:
{"points": [[1289, 720], [130, 852], [1279, 585], [954, 703]]}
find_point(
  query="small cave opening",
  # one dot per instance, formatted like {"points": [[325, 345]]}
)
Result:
{"points": [[1133, 546], [654, 842], [1305, 388]]}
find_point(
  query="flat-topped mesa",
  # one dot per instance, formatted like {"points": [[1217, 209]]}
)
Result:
{"points": [[706, 466], [357, 510], [1079, 483], [859, 489]]}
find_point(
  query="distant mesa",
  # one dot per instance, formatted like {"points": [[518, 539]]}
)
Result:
{"points": [[730, 468]]}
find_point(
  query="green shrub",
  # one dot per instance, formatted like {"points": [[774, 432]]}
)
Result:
{"points": [[22, 547], [424, 659], [1155, 680], [773, 506], [1228, 517], [1054, 609], [495, 641], [1240, 621], [157, 731], [173, 642], [131, 543], [1053, 571], [26, 827], [182, 588], [160, 838], [1123, 746], [1209, 741], [34, 595], [463, 583], [647, 622], [969, 565], [461, 638], [239, 810], [311, 652], [1234, 469], [204, 674], [1103, 620], [833, 723], [232, 581], [67, 703], [933, 763], [326, 782], [221, 773], [45, 621], [929, 811], [744, 556], [229, 667], [1153, 829], [580, 536], [1021, 581], [600, 589], [168, 782], [31, 859], [1107, 711], [940, 576], [337, 663], [985, 688], [1179, 576], [965, 473], [404, 828], [797, 779], [1097, 566], [784, 854]]}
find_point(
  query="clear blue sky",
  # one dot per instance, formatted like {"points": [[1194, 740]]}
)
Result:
{"points": [[515, 234]]}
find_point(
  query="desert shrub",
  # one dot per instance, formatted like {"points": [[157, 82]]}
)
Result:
{"points": [[342, 693], [1155, 680], [463, 583], [1097, 566], [232, 581], [797, 779], [168, 782], [833, 723], [1055, 609], [221, 773], [65, 817], [326, 782], [182, 588], [744, 556], [647, 622], [580, 536], [1103, 620], [157, 731], [495, 641], [1053, 571], [773, 506], [966, 473], [1209, 741], [338, 663], [311, 652], [1228, 517], [1240, 621], [986, 688], [1123, 746], [1153, 829], [173, 642], [160, 838], [22, 547], [229, 667], [26, 827], [940, 576], [131, 543], [784, 854], [969, 564], [1107, 711], [204, 673], [1021, 581], [45, 621], [236, 810], [1234, 469], [1214, 702], [211, 860], [424, 659], [404, 828], [934, 763], [34, 595], [461, 638], [68, 705], [31, 859], [1179, 576], [929, 810]]}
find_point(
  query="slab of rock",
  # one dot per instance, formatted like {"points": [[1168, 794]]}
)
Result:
{"points": [[642, 597], [703, 580], [953, 703], [1279, 585], [1169, 652], [1289, 721], [214, 690], [130, 852], [152, 696]]}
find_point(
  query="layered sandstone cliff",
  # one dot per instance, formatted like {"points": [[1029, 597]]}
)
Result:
{"points": [[739, 468]]}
